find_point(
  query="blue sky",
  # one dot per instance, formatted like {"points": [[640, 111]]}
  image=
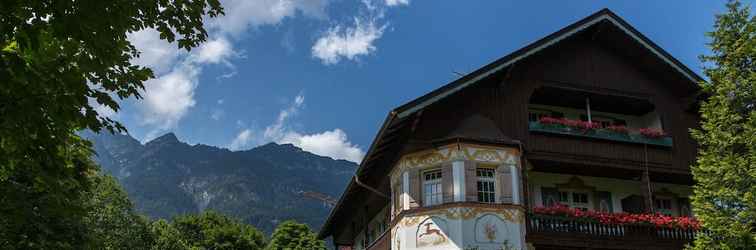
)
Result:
{"points": [[322, 74]]}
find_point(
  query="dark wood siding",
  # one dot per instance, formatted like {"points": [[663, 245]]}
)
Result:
{"points": [[579, 63]]}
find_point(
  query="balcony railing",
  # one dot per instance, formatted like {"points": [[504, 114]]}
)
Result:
{"points": [[602, 134], [560, 229]]}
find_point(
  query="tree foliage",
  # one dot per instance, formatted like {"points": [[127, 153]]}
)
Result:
{"points": [[291, 235], [57, 59], [725, 172], [111, 221], [211, 230], [167, 237]]}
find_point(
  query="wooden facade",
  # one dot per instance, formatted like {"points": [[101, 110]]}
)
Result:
{"points": [[600, 56]]}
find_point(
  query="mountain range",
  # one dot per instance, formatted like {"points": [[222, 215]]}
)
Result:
{"points": [[261, 186]]}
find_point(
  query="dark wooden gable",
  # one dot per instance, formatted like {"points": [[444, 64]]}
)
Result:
{"points": [[582, 63]]}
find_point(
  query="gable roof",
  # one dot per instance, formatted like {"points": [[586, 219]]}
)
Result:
{"points": [[397, 118], [501, 63]]}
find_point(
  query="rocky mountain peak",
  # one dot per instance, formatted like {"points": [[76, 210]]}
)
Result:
{"points": [[169, 138], [166, 177]]}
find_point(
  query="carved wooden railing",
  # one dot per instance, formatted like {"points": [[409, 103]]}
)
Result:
{"points": [[580, 231]]}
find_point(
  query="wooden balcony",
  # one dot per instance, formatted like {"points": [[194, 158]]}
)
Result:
{"points": [[546, 232]]}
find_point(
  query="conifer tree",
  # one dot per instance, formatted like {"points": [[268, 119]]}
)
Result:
{"points": [[724, 197]]}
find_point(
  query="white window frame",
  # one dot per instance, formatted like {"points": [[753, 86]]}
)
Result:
{"points": [[432, 188], [488, 186], [569, 199]]}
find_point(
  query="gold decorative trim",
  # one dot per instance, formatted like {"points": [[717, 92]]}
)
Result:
{"points": [[456, 151], [514, 215]]}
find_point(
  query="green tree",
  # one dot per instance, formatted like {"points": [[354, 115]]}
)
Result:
{"points": [[57, 56], [291, 235], [111, 221], [725, 172], [211, 230], [167, 237]]}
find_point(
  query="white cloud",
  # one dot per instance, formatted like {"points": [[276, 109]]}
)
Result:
{"points": [[167, 98], [241, 140], [279, 128], [214, 51], [334, 144], [397, 2], [157, 54], [347, 42], [243, 14]]}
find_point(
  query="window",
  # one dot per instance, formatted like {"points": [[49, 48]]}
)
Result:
{"points": [[580, 201], [574, 199], [663, 206], [486, 188], [432, 193]]}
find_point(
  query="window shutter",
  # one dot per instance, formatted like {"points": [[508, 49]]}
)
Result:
{"points": [[505, 184], [471, 180], [415, 199], [549, 196], [447, 183], [605, 198]]}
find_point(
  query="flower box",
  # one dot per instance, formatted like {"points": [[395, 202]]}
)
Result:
{"points": [[656, 220], [570, 127]]}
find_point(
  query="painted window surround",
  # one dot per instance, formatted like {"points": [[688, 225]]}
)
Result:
{"points": [[618, 188], [458, 162]]}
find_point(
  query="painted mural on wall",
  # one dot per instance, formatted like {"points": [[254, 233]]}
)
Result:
{"points": [[430, 232], [456, 228], [490, 228]]}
